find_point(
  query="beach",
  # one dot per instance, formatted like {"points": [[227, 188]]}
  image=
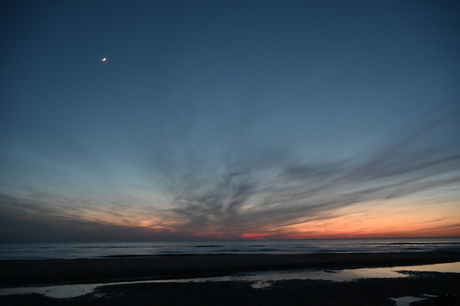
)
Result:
{"points": [[118, 268], [16, 273]]}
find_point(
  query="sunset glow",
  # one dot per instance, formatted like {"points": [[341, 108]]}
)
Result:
{"points": [[229, 120]]}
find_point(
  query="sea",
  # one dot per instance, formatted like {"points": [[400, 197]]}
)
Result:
{"points": [[307, 246]]}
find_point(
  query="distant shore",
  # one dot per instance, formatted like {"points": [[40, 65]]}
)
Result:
{"points": [[71, 271]]}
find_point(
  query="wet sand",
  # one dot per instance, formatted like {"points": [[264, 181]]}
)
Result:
{"points": [[366, 292], [71, 271], [372, 291]]}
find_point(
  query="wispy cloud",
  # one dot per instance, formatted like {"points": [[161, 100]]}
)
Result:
{"points": [[254, 191], [290, 191]]}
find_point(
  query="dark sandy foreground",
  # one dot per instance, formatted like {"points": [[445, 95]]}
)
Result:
{"points": [[290, 292], [294, 292], [63, 271]]}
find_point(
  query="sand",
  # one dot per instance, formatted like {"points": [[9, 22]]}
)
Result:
{"points": [[65, 271], [374, 291], [363, 292]]}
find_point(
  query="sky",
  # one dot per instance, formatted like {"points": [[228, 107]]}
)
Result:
{"points": [[229, 120]]}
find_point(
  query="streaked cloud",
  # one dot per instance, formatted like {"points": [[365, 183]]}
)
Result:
{"points": [[229, 120]]}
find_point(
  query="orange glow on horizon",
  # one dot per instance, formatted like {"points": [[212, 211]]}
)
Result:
{"points": [[255, 236], [411, 217]]}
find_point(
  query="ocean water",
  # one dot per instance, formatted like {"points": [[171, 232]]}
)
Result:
{"points": [[96, 249]]}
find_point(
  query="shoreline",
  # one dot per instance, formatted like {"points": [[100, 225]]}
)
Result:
{"points": [[116, 268]]}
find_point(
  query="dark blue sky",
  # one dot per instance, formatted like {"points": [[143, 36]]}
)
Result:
{"points": [[228, 119]]}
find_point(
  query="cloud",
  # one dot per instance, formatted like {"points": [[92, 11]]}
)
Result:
{"points": [[74, 230], [265, 196], [252, 190]]}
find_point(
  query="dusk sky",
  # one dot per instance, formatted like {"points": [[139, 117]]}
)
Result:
{"points": [[229, 120]]}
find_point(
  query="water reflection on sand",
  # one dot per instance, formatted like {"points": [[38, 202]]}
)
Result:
{"points": [[257, 279]]}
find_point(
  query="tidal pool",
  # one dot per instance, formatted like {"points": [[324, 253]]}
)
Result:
{"points": [[257, 279]]}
